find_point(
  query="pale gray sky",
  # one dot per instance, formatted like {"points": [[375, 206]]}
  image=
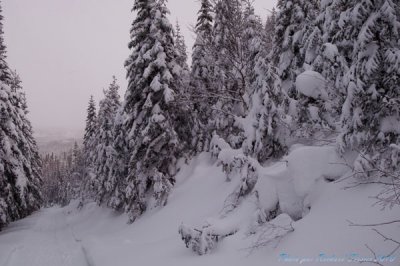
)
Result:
{"points": [[66, 50]]}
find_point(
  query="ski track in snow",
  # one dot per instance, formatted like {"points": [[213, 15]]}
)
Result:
{"points": [[10, 256], [50, 241]]}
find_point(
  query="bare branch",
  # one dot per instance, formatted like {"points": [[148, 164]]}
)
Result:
{"points": [[370, 225]]}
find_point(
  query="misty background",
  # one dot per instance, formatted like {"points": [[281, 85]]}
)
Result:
{"points": [[67, 50]]}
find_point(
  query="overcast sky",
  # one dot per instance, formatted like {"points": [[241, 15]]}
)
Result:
{"points": [[66, 50]]}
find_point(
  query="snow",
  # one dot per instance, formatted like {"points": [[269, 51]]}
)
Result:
{"points": [[390, 124], [312, 84], [308, 164], [330, 51], [100, 237], [155, 84]]}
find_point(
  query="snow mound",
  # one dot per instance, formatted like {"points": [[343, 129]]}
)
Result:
{"points": [[312, 84], [308, 164]]}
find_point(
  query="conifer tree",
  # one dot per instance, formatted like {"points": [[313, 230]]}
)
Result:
{"points": [[20, 165], [151, 123], [269, 30], [321, 54], [180, 47], [118, 163], [253, 43], [104, 151], [371, 112], [229, 48], [4, 69], [293, 20], [266, 140], [91, 127], [88, 191], [201, 87]]}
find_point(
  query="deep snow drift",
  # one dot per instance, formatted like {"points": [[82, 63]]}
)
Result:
{"points": [[301, 183]]}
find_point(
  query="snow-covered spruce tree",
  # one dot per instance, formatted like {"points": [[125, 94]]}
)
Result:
{"points": [[269, 29], [181, 59], [89, 144], [325, 54], [292, 21], [180, 47], [201, 89], [118, 163], [20, 175], [293, 17], [253, 43], [77, 163], [104, 152], [266, 138], [5, 75], [262, 135], [154, 124], [16, 86], [229, 49], [32, 152], [371, 112], [20, 172], [90, 128], [75, 171]]}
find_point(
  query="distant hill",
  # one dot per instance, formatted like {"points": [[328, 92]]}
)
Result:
{"points": [[57, 140]]}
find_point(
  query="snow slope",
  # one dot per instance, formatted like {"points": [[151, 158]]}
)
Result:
{"points": [[96, 236]]}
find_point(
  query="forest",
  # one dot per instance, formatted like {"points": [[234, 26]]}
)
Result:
{"points": [[314, 79]]}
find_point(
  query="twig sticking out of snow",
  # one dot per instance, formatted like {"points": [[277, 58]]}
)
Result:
{"points": [[273, 232], [385, 238]]}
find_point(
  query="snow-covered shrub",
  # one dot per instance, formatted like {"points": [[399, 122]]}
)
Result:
{"points": [[242, 206], [217, 144], [200, 241], [248, 172]]}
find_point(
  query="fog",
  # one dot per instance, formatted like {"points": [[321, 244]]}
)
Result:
{"points": [[67, 50]]}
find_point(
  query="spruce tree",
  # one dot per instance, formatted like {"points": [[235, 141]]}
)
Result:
{"points": [[371, 112], [293, 20], [151, 126], [201, 88], [91, 127], [5, 75], [253, 43], [118, 163], [229, 75], [20, 165], [104, 152], [180, 47], [269, 30], [321, 54], [266, 138], [89, 144]]}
